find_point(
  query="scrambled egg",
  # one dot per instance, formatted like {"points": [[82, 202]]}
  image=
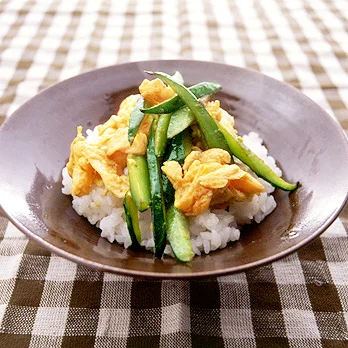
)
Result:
{"points": [[102, 160], [206, 179], [220, 115], [207, 176], [155, 91]]}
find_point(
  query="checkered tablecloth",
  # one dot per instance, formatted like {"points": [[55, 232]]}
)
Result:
{"points": [[299, 301]]}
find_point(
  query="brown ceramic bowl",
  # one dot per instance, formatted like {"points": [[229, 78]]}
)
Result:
{"points": [[307, 143]]}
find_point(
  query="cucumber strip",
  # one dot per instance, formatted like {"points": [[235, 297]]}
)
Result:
{"points": [[168, 190], [178, 234], [210, 130], [161, 134], [135, 119], [139, 181], [158, 207], [255, 163], [200, 90], [180, 120], [132, 219], [180, 147]]}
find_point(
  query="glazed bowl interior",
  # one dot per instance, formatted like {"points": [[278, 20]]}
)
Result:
{"points": [[307, 143]]}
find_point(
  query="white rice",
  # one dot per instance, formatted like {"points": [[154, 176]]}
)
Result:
{"points": [[212, 230]]}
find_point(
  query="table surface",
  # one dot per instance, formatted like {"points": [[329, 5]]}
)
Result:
{"points": [[299, 301]]}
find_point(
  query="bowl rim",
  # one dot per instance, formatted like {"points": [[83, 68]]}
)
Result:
{"points": [[177, 275]]}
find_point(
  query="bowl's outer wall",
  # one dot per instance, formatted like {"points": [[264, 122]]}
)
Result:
{"points": [[305, 141]]}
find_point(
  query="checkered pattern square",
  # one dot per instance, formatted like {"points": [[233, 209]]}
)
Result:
{"points": [[299, 301], [50, 321]]}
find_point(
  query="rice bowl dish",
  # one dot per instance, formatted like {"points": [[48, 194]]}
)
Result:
{"points": [[211, 227]]}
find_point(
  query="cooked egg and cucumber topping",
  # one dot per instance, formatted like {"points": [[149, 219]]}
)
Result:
{"points": [[170, 173]]}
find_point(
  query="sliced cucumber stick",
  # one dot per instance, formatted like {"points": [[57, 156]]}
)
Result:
{"points": [[179, 121], [132, 219], [178, 235], [255, 163], [139, 181], [161, 134], [157, 206]]}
